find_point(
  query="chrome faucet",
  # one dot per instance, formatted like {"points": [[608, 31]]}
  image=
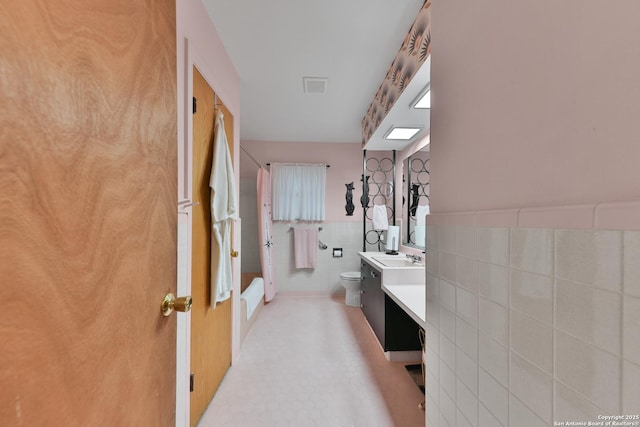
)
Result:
{"points": [[414, 258]]}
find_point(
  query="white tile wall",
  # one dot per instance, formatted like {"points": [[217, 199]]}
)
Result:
{"points": [[590, 257], [433, 361], [532, 325], [494, 358], [631, 271], [532, 386], [447, 266], [467, 403], [631, 329], [467, 242], [447, 409], [325, 278], [494, 245], [433, 259], [467, 306], [570, 405], [448, 294], [593, 372], [447, 351], [462, 420], [532, 340], [590, 314], [521, 416], [532, 294], [486, 418], [432, 410], [630, 388], [432, 237], [494, 321], [447, 323], [467, 370], [532, 250], [447, 379], [447, 239], [494, 396], [494, 283], [467, 338], [467, 273]]}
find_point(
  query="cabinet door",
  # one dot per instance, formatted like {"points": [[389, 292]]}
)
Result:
{"points": [[373, 301], [366, 285], [401, 331]]}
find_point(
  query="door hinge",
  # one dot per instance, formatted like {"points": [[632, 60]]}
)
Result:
{"points": [[195, 104], [191, 376]]}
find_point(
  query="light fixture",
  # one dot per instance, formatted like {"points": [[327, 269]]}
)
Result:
{"points": [[423, 101], [402, 133]]}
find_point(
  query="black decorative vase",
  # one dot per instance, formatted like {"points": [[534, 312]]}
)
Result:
{"points": [[364, 200], [349, 207], [415, 199]]}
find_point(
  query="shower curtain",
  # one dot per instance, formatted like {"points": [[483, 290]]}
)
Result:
{"points": [[265, 233]]}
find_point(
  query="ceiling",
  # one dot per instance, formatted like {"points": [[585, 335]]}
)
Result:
{"points": [[275, 43]]}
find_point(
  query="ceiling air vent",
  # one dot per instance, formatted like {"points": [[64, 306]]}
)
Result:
{"points": [[315, 85]]}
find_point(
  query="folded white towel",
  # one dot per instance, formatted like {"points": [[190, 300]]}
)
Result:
{"points": [[379, 217], [421, 212]]}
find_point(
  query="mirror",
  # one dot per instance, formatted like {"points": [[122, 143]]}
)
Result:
{"points": [[415, 197]]}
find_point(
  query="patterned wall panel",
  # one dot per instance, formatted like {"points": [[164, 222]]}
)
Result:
{"points": [[414, 50]]}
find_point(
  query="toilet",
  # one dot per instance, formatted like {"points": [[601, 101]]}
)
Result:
{"points": [[351, 282]]}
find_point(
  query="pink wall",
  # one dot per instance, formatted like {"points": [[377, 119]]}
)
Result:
{"points": [[345, 161], [534, 104]]}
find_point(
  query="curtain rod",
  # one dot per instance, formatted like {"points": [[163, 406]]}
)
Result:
{"points": [[300, 164]]}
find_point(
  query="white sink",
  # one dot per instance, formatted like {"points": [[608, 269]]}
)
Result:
{"points": [[396, 262], [395, 269]]}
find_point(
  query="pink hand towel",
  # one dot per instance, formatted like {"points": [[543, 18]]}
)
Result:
{"points": [[305, 241]]}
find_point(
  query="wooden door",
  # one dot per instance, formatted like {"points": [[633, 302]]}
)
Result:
{"points": [[210, 329], [88, 206]]}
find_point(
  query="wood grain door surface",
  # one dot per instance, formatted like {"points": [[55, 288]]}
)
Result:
{"points": [[88, 207], [210, 329]]}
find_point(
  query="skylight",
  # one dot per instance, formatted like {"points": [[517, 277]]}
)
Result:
{"points": [[402, 133], [424, 101]]}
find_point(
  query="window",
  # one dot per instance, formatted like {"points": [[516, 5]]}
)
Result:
{"points": [[298, 192]]}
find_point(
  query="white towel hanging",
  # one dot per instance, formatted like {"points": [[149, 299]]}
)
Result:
{"points": [[379, 218], [421, 212]]}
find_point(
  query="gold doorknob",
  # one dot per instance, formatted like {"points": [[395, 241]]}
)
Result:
{"points": [[171, 303], [234, 254]]}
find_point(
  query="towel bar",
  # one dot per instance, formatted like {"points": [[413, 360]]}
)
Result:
{"points": [[319, 228]]}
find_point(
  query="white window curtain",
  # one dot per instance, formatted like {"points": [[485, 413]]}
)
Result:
{"points": [[298, 192]]}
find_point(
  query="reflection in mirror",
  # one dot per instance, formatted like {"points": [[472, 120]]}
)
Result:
{"points": [[415, 200]]}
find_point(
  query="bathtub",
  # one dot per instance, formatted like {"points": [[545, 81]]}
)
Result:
{"points": [[251, 301]]}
